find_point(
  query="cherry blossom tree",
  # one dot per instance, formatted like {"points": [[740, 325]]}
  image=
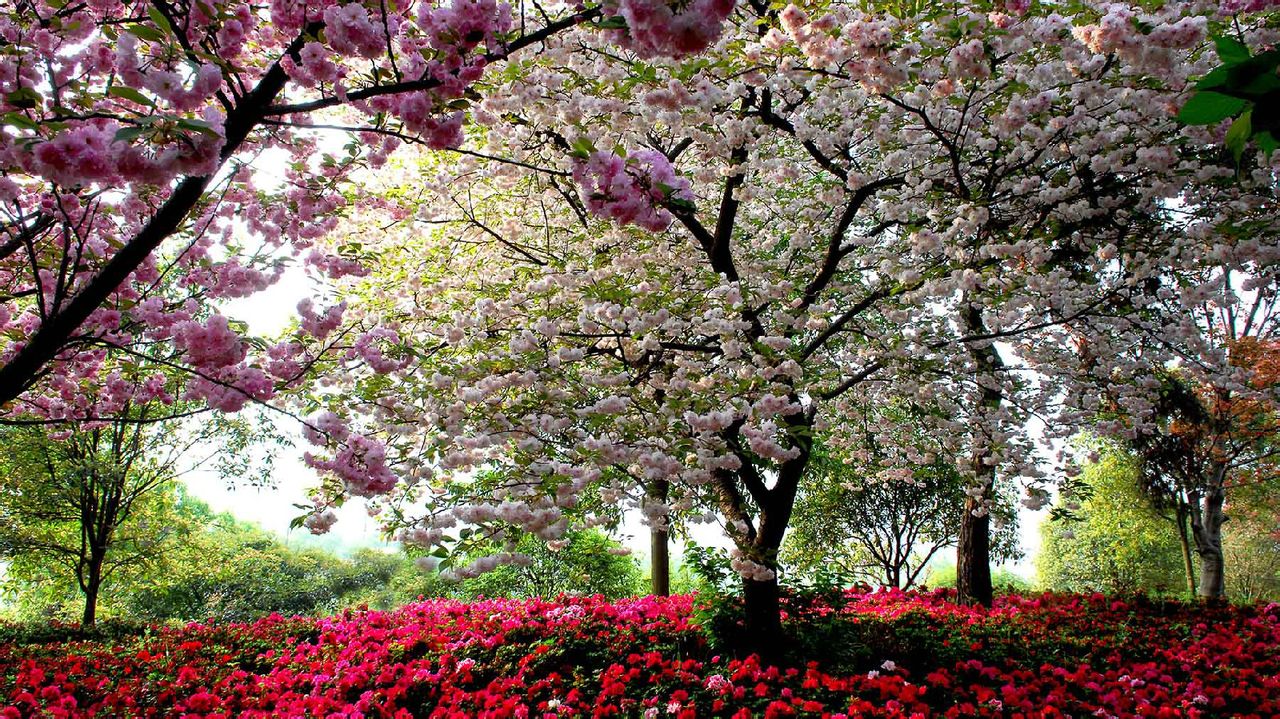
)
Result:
{"points": [[669, 244], [146, 139], [684, 269]]}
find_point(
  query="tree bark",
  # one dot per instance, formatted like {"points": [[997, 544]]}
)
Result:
{"points": [[659, 546], [92, 586], [763, 614], [761, 597], [973, 554], [1206, 523], [973, 550], [1184, 539]]}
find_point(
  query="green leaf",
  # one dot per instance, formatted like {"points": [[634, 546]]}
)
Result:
{"points": [[1216, 78], [159, 19], [199, 126], [1207, 108], [19, 120], [130, 94], [1266, 142], [1238, 134], [1230, 50], [1261, 84], [24, 97], [582, 148], [616, 22], [128, 134], [145, 32]]}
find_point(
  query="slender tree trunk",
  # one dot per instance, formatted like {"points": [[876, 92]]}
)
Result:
{"points": [[1184, 538], [973, 551], [659, 546], [1207, 525]]}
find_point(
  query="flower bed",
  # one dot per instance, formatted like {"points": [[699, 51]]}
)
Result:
{"points": [[888, 654]]}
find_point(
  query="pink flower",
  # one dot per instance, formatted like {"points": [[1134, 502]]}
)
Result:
{"points": [[631, 190], [349, 31], [209, 345], [78, 156], [654, 29]]}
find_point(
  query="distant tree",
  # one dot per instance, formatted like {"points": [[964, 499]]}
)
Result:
{"points": [[583, 562], [39, 587], [1206, 439], [944, 575], [886, 527], [1252, 546], [235, 571], [83, 500], [1109, 539]]}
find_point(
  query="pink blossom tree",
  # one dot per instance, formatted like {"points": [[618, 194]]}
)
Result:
{"points": [[670, 244], [136, 136], [683, 269]]}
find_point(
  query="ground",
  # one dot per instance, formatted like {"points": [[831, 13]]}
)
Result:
{"points": [[863, 654]]}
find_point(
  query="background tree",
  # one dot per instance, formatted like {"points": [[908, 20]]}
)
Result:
{"points": [[1204, 440], [1106, 536], [1252, 545], [233, 572], [218, 568], [86, 499], [584, 562], [877, 524]]}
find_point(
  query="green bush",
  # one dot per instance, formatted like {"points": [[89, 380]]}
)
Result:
{"points": [[103, 631], [583, 566]]}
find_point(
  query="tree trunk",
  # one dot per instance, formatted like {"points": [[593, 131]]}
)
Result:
{"points": [[1184, 538], [763, 615], [761, 597], [973, 555], [973, 551], [659, 563], [92, 586], [1207, 525], [659, 546]]}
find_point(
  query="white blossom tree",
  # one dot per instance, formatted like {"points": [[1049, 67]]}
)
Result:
{"points": [[685, 269]]}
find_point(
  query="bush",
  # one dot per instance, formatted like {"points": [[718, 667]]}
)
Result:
{"points": [[106, 631]]}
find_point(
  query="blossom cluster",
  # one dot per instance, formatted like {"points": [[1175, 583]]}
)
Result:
{"points": [[120, 117], [1033, 656], [656, 28], [632, 189]]}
